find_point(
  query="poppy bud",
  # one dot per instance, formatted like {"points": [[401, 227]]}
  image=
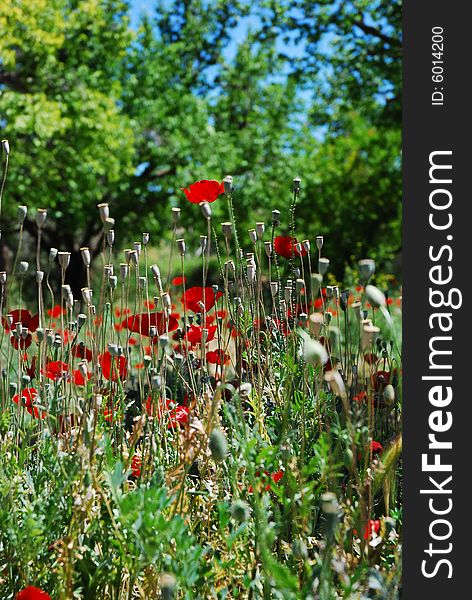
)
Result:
{"points": [[6, 147], [64, 259], [240, 511], [323, 264], [228, 185], [145, 239], [389, 394], [52, 254], [85, 253], [375, 296], [104, 211], [22, 268], [41, 215], [276, 217], [319, 242], [181, 246], [206, 209], [218, 445], [22, 211]]}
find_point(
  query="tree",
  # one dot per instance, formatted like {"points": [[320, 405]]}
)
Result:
{"points": [[97, 113]]}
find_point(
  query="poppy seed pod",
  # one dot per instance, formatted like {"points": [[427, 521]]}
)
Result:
{"points": [[145, 238], [113, 282], [87, 295], [306, 245], [3, 277], [81, 318], [175, 215], [167, 586], [218, 445], [166, 300], [240, 511], [113, 349], [85, 253], [369, 335], [206, 209], [6, 147], [357, 308], [274, 287], [181, 246], [83, 368], [287, 293], [133, 257], [40, 334], [111, 237], [228, 185], [389, 394], [203, 242], [52, 254], [296, 183], [251, 273], [323, 265], [336, 383], [25, 379], [64, 259], [313, 352], [366, 268], [22, 268], [329, 291], [41, 215], [315, 323], [299, 285], [137, 248], [319, 241], [39, 276], [268, 249], [108, 225], [123, 271], [152, 331], [227, 229], [275, 217], [103, 211], [253, 235], [260, 228], [142, 281], [21, 213]]}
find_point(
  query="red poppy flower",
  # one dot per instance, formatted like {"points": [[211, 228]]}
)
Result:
{"points": [[79, 378], [361, 396], [376, 447], [372, 526], [218, 357], [194, 295], [195, 334], [56, 370], [380, 380], [284, 245], [177, 414], [178, 280], [206, 190], [24, 317], [31, 370], [276, 477], [141, 323], [22, 342], [28, 396], [81, 351], [56, 311], [113, 367], [32, 593], [136, 463]]}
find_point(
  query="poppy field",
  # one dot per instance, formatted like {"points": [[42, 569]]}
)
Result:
{"points": [[224, 422]]}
